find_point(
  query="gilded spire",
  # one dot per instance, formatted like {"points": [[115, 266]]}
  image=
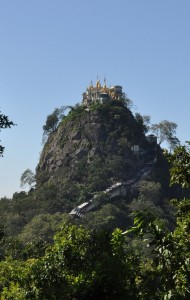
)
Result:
{"points": [[90, 85], [105, 82], [98, 84]]}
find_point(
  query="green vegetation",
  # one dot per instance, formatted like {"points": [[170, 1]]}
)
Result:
{"points": [[27, 178], [130, 247], [165, 131], [93, 149], [4, 123], [52, 121], [96, 264]]}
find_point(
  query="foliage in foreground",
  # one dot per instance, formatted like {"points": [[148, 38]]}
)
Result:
{"points": [[90, 264], [81, 265], [171, 262]]}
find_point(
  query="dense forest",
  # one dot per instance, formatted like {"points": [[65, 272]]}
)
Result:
{"points": [[132, 241]]}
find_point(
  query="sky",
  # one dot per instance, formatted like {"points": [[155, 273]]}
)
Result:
{"points": [[50, 50]]}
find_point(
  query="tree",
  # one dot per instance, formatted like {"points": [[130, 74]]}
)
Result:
{"points": [[85, 265], [126, 101], [81, 264], [165, 131], [143, 122], [27, 178], [173, 142], [52, 121], [4, 123], [171, 250], [42, 227], [12, 273], [180, 165], [107, 217]]}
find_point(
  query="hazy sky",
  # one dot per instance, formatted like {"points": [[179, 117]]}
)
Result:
{"points": [[50, 50]]}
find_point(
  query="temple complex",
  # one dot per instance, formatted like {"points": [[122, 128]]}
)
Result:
{"points": [[102, 94]]}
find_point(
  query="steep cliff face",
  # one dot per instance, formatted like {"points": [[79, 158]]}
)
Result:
{"points": [[90, 150]]}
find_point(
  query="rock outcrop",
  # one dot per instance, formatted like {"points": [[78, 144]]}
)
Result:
{"points": [[92, 149]]}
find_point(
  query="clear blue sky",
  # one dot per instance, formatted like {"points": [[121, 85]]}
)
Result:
{"points": [[50, 50]]}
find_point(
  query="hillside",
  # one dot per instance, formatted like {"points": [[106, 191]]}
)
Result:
{"points": [[97, 148], [92, 149], [97, 153]]}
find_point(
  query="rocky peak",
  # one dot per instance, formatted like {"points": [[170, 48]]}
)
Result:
{"points": [[91, 148]]}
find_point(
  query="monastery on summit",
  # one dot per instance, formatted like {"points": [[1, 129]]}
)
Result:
{"points": [[102, 94]]}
